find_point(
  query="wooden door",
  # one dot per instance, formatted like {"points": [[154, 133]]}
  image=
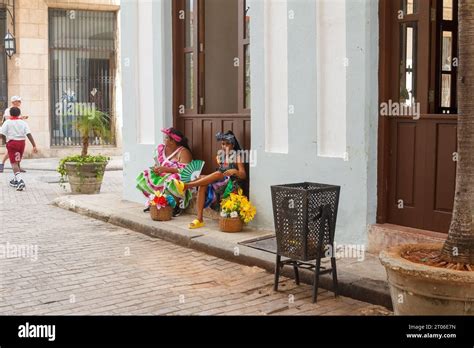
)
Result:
{"points": [[201, 60], [417, 166]]}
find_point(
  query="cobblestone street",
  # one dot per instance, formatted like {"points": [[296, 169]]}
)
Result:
{"points": [[85, 266]]}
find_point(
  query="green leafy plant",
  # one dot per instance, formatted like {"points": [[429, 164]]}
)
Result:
{"points": [[80, 161], [90, 122]]}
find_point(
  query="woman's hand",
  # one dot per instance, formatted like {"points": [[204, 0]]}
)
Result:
{"points": [[231, 172], [158, 170], [164, 170]]}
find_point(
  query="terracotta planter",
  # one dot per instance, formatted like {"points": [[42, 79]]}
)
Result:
{"points": [[230, 225], [417, 289], [86, 178], [163, 214]]}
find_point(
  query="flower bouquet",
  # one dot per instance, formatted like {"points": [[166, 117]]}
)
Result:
{"points": [[236, 210], [161, 206]]}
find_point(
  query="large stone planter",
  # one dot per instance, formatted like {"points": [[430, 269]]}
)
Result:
{"points": [[86, 178], [417, 289]]}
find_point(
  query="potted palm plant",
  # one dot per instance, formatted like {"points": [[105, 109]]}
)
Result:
{"points": [[85, 172], [437, 279]]}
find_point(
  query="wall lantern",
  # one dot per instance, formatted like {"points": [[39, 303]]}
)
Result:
{"points": [[9, 40], [10, 45]]}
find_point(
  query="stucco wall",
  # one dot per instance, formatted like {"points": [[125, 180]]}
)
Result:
{"points": [[357, 176], [140, 156]]}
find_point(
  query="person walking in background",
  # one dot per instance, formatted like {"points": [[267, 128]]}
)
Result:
{"points": [[16, 102], [15, 131]]}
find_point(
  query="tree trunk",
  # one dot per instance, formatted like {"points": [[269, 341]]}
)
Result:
{"points": [[85, 146], [459, 247]]}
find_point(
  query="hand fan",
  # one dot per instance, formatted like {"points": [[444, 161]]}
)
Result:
{"points": [[228, 190], [192, 171]]}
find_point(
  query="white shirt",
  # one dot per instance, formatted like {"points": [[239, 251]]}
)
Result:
{"points": [[15, 129]]}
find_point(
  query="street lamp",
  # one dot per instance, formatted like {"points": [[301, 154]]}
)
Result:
{"points": [[10, 45]]}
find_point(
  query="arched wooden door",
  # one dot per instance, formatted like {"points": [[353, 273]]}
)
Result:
{"points": [[417, 153], [211, 73]]}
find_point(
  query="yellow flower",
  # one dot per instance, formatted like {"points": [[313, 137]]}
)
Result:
{"points": [[239, 203], [247, 212], [228, 205]]}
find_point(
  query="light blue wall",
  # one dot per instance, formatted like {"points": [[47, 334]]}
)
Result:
{"points": [[356, 176], [137, 156]]}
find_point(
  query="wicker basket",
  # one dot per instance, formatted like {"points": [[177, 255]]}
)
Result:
{"points": [[163, 214], [230, 225]]}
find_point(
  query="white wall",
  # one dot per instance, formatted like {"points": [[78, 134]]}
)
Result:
{"points": [[276, 76], [145, 67], [147, 99], [312, 132], [331, 65]]}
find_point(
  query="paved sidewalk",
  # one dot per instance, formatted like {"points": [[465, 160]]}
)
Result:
{"points": [[364, 280], [87, 266], [51, 164]]}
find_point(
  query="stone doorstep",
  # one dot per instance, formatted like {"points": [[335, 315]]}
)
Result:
{"points": [[364, 281]]}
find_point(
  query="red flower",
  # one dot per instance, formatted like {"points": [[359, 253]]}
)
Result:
{"points": [[162, 201]]}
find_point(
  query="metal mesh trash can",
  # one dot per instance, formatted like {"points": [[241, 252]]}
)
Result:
{"points": [[305, 222]]}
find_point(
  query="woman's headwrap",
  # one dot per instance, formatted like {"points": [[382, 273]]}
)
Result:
{"points": [[226, 137], [173, 136]]}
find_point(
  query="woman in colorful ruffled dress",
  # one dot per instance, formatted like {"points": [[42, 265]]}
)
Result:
{"points": [[170, 157], [227, 178]]}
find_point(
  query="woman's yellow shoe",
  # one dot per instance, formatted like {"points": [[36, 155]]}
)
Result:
{"points": [[196, 224], [179, 186]]}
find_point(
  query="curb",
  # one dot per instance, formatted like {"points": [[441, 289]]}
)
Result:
{"points": [[362, 289]]}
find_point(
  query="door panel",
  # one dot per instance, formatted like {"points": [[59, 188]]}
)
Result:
{"points": [[406, 166], [440, 187], [201, 131], [406, 163], [418, 170]]}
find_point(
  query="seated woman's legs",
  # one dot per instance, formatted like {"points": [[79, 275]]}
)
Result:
{"points": [[205, 180], [201, 200]]}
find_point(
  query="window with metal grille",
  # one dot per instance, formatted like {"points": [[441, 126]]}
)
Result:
{"points": [[82, 53]]}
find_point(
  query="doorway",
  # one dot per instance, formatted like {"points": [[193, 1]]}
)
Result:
{"points": [[211, 73], [417, 152]]}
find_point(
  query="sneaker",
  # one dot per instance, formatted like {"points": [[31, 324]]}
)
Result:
{"points": [[13, 183], [177, 211], [2, 166], [21, 185]]}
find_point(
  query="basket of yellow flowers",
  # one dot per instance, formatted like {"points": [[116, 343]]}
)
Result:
{"points": [[236, 210]]}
